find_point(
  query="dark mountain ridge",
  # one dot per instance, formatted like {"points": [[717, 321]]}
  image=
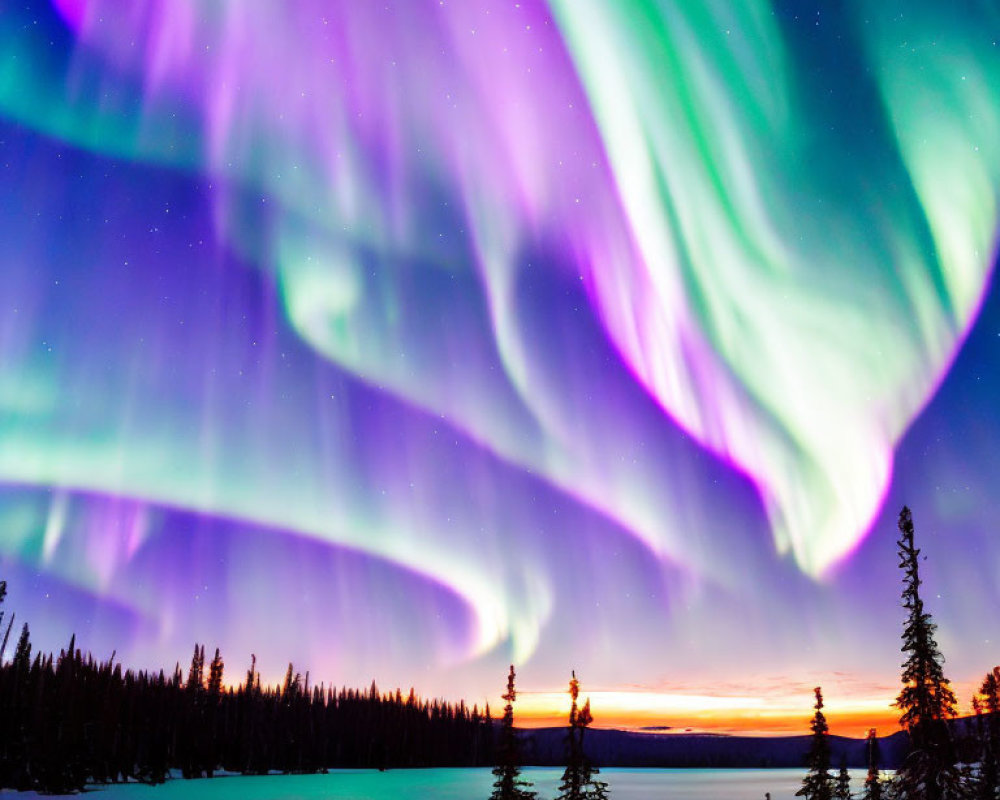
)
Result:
{"points": [[617, 748]]}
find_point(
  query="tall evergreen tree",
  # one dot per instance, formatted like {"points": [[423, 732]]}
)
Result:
{"points": [[593, 789], [842, 789], [873, 782], [571, 787], [926, 701], [578, 781], [215, 676], [508, 784], [990, 691], [818, 785], [22, 653], [196, 674], [293, 681], [253, 677], [6, 633], [6, 637], [987, 781]]}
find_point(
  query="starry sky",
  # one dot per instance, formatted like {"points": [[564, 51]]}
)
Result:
{"points": [[405, 340]]}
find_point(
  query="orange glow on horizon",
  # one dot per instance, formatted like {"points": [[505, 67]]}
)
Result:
{"points": [[787, 715]]}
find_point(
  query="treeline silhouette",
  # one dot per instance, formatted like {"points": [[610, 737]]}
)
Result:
{"points": [[69, 720]]}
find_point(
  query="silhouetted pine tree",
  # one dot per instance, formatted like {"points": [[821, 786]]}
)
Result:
{"points": [[986, 785], [818, 784], [190, 746], [593, 789], [926, 699], [3, 636], [508, 784], [6, 633], [213, 732], [842, 789], [215, 676], [22, 654], [571, 787], [873, 782], [196, 674], [578, 781]]}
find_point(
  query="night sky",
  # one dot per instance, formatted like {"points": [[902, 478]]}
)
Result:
{"points": [[406, 340]]}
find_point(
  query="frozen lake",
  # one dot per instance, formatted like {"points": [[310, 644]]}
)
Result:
{"points": [[470, 784]]}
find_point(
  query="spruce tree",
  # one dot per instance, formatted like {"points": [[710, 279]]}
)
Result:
{"points": [[873, 783], [987, 782], [215, 670], [990, 691], [842, 790], [253, 677], [21, 662], [211, 747], [6, 633], [593, 789], [508, 784], [578, 778], [818, 785], [196, 674], [926, 701], [571, 787]]}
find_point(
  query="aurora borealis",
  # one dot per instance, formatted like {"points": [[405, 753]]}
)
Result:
{"points": [[407, 339]]}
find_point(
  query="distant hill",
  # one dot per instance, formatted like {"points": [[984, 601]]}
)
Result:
{"points": [[545, 747], [611, 748]]}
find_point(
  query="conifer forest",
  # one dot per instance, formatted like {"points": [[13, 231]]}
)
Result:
{"points": [[68, 721]]}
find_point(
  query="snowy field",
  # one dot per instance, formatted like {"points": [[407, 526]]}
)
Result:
{"points": [[469, 784]]}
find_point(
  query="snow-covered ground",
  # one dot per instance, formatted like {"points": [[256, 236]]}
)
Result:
{"points": [[467, 784]]}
